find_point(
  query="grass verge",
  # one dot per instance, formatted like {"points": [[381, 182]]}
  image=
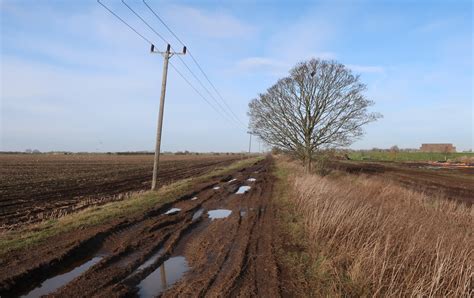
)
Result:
{"points": [[35, 234], [365, 236], [292, 249]]}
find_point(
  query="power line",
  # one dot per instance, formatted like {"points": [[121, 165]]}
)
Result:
{"points": [[207, 90], [194, 88], [129, 26], [195, 61], [163, 22], [151, 43], [146, 23], [182, 61], [218, 93], [166, 55]]}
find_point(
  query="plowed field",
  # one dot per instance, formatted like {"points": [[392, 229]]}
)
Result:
{"points": [[455, 183], [38, 187], [217, 240]]}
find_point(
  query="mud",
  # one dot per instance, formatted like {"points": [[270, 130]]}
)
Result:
{"points": [[54, 283], [39, 187], [455, 183], [163, 277], [185, 253]]}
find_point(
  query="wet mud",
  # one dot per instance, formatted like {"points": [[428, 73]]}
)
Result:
{"points": [[211, 242]]}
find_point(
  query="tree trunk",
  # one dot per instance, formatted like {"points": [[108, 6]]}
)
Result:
{"points": [[308, 161]]}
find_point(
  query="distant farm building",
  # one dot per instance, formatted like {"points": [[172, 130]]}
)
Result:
{"points": [[437, 148]]}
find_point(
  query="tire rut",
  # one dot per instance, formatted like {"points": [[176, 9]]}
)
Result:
{"points": [[226, 256]]}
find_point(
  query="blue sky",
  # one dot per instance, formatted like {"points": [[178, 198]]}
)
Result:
{"points": [[74, 78]]}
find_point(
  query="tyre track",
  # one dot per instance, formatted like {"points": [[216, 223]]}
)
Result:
{"points": [[17, 209], [227, 256]]}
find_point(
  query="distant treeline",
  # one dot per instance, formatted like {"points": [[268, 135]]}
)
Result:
{"points": [[123, 153]]}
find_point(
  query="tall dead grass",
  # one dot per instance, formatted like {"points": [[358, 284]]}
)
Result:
{"points": [[369, 237]]}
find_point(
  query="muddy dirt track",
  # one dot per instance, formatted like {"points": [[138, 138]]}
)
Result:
{"points": [[453, 183], [214, 241], [38, 187]]}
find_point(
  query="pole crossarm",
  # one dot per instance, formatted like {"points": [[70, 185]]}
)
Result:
{"points": [[168, 50]]}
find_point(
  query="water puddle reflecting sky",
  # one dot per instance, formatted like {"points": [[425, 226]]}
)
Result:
{"points": [[173, 211], [163, 277], [197, 214], [216, 187], [243, 189], [252, 179], [51, 285], [219, 213], [230, 181], [150, 260]]}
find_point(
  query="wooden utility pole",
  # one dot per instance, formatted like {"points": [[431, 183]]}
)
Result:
{"points": [[166, 55], [250, 141]]}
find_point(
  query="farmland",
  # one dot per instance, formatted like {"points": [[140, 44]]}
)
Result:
{"points": [[38, 187], [311, 149], [439, 180], [208, 236], [360, 231], [410, 156], [220, 225]]}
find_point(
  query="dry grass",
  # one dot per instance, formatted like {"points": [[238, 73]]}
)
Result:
{"points": [[464, 159], [369, 237]]}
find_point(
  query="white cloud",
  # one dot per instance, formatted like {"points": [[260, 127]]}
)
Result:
{"points": [[366, 68], [213, 24], [324, 55], [273, 65], [261, 64]]}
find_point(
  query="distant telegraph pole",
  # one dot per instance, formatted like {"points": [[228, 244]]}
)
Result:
{"points": [[250, 141], [166, 55]]}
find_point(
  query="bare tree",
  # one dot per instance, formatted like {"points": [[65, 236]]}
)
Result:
{"points": [[319, 105], [394, 151]]}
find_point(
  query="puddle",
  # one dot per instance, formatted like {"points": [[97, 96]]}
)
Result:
{"points": [[219, 213], [216, 187], [194, 199], [51, 285], [230, 181], [150, 260], [242, 190], [252, 179], [197, 214], [243, 213], [173, 211], [163, 277]]}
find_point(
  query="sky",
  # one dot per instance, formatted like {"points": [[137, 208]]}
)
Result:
{"points": [[75, 78]]}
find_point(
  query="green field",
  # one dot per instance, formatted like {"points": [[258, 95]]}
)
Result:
{"points": [[409, 156]]}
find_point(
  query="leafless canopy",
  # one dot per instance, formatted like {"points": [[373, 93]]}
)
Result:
{"points": [[320, 104]]}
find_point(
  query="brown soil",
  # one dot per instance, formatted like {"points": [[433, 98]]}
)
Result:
{"points": [[38, 187], [231, 256], [454, 183]]}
